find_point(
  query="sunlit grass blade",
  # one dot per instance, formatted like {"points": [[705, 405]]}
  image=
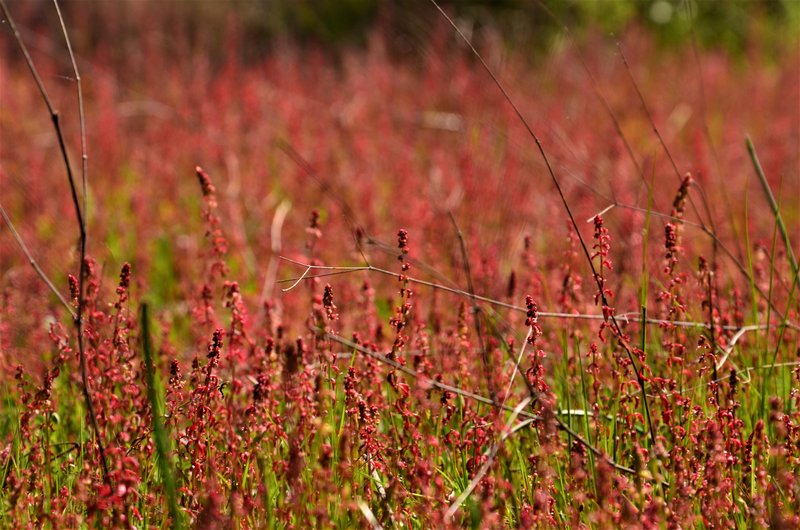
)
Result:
{"points": [[160, 437]]}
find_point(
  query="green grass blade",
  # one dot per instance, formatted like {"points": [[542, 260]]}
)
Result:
{"points": [[159, 432], [773, 204]]}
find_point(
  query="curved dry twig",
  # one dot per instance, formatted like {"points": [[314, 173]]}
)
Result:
{"points": [[81, 220], [626, 317]]}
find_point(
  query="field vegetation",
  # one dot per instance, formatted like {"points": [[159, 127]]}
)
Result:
{"points": [[397, 285]]}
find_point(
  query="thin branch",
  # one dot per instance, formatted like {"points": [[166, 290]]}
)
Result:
{"points": [[601, 212], [81, 115], [28, 60], [368, 515], [599, 95], [626, 317], [275, 238], [653, 125], [346, 210], [732, 343], [78, 319], [615, 325], [516, 365]]}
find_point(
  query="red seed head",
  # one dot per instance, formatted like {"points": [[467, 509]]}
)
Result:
{"points": [[205, 182], [74, 289]]}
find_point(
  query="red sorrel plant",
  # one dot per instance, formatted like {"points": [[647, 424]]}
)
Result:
{"points": [[417, 392]]}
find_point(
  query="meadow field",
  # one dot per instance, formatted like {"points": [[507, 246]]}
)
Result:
{"points": [[396, 284]]}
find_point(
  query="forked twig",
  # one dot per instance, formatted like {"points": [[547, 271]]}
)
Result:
{"points": [[79, 214], [631, 316], [732, 343], [615, 325]]}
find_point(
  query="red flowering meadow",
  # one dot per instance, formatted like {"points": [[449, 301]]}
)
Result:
{"points": [[348, 289]]}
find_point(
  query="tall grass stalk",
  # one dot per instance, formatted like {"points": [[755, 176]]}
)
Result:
{"points": [[160, 436]]}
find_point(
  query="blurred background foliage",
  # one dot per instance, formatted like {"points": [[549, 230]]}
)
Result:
{"points": [[410, 25]]}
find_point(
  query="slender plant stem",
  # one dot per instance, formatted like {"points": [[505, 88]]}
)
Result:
{"points": [[627, 317], [773, 204], [615, 325], [160, 436], [82, 269], [81, 114]]}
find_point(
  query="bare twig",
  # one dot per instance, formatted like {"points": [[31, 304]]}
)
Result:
{"points": [[78, 319], [368, 515], [275, 237], [516, 365], [732, 343], [626, 317], [346, 210], [615, 325], [81, 115], [653, 125]]}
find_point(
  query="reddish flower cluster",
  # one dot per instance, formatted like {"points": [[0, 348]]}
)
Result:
{"points": [[272, 417]]}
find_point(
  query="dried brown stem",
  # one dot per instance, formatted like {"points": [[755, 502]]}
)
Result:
{"points": [[79, 214], [626, 317], [615, 325]]}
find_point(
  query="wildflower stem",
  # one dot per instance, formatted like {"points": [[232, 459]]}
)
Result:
{"points": [[331, 270], [78, 317]]}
